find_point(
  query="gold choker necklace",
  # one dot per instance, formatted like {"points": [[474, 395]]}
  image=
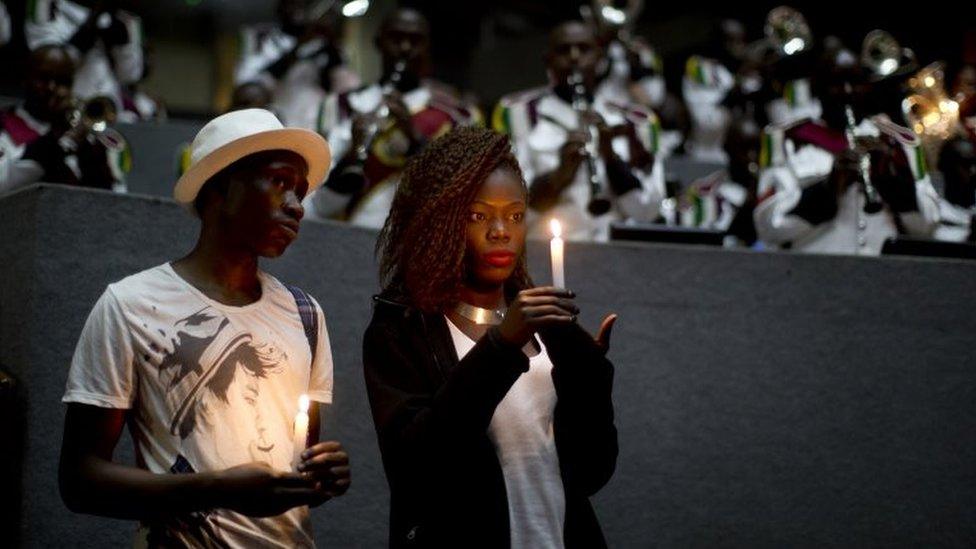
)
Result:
{"points": [[479, 315]]}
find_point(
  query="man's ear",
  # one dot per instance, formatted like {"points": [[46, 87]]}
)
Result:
{"points": [[213, 193]]}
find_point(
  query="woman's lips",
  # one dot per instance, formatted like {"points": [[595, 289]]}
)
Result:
{"points": [[499, 259]]}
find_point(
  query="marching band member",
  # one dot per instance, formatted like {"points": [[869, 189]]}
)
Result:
{"points": [[821, 193], [588, 160], [375, 129], [51, 138], [107, 41], [298, 59]]}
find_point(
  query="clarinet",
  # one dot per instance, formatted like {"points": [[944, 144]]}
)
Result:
{"points": [[599, 201], [872, 202], [382, 112]]}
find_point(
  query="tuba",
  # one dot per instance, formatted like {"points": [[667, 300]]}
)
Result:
{"points": [[882, 55], [930, 112], [928, 108], [349, 9], [620, 18], [787, 31]]}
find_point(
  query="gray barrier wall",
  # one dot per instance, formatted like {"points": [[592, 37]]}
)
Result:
{"points": [[155, 154], [763, 400]]}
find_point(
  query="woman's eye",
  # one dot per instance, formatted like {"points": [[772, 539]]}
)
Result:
{"points": [[478, 216], [518, 217]]}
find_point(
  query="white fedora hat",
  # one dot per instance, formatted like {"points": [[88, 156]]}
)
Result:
{"points": [[232, 136]]}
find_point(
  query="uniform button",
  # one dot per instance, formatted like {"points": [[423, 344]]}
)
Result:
{"points": [[862, 224], [861, 242]]}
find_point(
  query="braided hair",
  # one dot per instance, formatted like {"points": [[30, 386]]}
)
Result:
{"points": [[423, 243]]}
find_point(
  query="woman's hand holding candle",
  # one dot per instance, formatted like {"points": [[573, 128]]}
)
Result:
{"points": [[536, 308]]}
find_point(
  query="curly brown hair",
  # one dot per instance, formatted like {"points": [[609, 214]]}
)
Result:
{"points": [[422, 245]]}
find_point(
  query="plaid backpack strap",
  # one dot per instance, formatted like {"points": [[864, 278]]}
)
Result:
{"points": [[309, 316]]}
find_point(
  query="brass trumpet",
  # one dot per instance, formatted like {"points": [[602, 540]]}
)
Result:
{"points": [[95, 114], [883, 56], [787, 31], [91, 120]]}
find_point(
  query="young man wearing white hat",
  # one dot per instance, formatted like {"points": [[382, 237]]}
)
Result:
{"points": [[206, 357]]}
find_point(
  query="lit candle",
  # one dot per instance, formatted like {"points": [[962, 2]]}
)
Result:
{"points": [[300, 436], [556, 252]]}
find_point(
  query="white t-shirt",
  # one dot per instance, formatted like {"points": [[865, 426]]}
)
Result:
{"points": [[210, 386], [522, 431]]}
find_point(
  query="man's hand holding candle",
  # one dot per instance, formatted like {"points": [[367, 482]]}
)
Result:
{"points": [[328, 464]]}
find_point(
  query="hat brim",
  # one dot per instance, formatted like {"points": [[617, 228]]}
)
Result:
{"points": [[306, 143]]}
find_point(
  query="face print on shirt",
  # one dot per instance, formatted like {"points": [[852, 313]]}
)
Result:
{"points": [[213, 371]]}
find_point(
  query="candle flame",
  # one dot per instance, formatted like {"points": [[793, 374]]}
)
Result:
{"points": [[303, 403], [556, 228]]}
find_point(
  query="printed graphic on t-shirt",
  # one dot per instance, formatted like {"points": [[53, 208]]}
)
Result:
{"points": [[208, 358]]}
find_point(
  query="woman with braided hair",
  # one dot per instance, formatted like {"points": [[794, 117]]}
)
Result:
{"points": [[492, 405]]}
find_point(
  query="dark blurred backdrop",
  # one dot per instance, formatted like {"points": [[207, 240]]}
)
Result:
{"points": [[493, 48]]}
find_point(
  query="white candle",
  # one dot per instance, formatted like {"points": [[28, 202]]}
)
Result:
{"points": [[300, 436], [556, 253]]}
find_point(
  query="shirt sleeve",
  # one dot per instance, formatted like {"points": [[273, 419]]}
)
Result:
{"points": [[102, 370], [320, 380], [127, 58], [4, 25], [255, 55], [643, 202], [45, 24]]}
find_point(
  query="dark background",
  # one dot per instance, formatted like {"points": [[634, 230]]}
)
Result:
{"points": [[493, 48]]}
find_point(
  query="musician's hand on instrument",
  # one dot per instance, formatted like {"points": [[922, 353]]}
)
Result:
{"points": [[606, 134], [592, 118], [573, 151], [361, 122], [639, 155], [398, 109], [873, 145], [402, 117]]}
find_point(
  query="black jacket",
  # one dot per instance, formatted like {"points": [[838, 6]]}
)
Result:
{"points": [[432, 413]]}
